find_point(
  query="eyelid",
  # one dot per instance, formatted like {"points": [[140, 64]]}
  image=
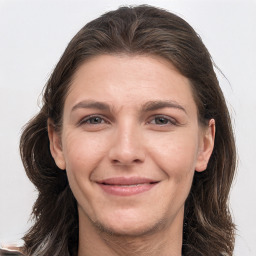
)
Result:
{"points": [[86, 118], [172, 121]]}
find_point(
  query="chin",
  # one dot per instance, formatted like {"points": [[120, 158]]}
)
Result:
{"points": [[130, 227]]}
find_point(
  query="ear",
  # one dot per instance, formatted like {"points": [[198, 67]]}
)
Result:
{"points": [[55, 145], [206, 146]]}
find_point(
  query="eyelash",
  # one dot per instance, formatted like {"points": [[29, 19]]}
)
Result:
{"points": [[90, 118], [165, 119]]}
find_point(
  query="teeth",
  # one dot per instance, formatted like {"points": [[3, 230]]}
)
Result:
{"points": [[127, 185], [132, 185]]}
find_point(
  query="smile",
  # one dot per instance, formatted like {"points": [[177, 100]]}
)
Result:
{"points": [[122, 186]]}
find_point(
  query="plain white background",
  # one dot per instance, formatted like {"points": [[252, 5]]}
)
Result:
{"points": [[33, 35]]}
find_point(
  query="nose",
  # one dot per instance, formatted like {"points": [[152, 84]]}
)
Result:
{"points": [[127, 147]]}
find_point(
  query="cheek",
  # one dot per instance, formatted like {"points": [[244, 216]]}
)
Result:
{"points": [[176, 155], [82, 156], [81, 150]]}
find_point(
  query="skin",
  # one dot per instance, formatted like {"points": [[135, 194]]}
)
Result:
{"points": [[147, 128]]}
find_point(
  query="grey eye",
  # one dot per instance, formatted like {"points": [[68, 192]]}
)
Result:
{"points": [[94, 120], [161, 120]]}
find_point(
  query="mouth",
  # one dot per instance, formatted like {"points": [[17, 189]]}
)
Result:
{"points": [[123, 186]]}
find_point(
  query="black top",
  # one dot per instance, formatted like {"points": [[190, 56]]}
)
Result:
{"points": [[4, 252]]}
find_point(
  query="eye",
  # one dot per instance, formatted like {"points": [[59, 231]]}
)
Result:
{"points": [[163, 120], [92, 120]]}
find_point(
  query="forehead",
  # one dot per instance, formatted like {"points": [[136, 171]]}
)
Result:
{"points": [[125, 80]]}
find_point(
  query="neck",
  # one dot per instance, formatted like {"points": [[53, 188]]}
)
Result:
{"points": [[166, 241]]}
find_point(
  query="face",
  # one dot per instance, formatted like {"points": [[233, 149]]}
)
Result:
{"points": [[130, 143]]}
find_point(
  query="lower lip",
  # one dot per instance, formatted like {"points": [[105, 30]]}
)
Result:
{"points": [[127, 190]]}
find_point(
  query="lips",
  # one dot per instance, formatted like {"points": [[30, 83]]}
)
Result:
{"points": [[127, 186]]}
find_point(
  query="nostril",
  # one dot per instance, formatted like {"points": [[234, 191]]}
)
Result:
{"points": [[119, 162], [124, 154]]}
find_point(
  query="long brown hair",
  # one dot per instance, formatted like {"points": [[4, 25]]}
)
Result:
{"points": [[208, 226]]}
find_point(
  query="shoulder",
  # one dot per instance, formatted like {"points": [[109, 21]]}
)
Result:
{"points": [[10, 251]]}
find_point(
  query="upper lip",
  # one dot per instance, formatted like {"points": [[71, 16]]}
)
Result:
{"points": [[126, 181]]}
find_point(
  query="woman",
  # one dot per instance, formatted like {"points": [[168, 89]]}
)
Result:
{"points": [[132, 152]]}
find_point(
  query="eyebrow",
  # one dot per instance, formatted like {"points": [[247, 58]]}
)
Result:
{"points": [[147, 107], [155, 105], [91, 104]]}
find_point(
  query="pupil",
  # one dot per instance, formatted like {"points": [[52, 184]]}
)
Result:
{"points": [[161, 120], [96, 120]]}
